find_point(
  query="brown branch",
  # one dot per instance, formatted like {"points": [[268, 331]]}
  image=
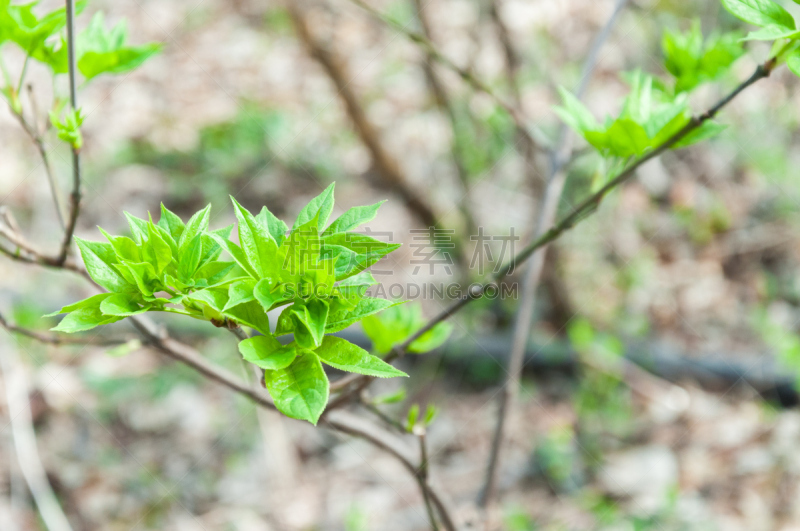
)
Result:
{"points": [[387, 167], [59, 340], [75, 195], [442, 100], [350, 424], [584, 209], [524, 319]]}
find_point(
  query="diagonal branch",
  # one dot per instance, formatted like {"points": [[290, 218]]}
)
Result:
{"points": [[75, 196], [429, 48], [581, 211], [387, 167], [547, 214]]}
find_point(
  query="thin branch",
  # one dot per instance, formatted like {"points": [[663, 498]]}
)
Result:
{"points": [[584, 209], [524, 318], [422, 472], [75, 196], [387, 167], [429, 48], [353, 425], [19, 411], [59, 340], [442, 100]]}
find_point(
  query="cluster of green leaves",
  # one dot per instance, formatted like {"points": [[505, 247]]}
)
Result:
{"points": [[315, 272], [694, 61], [650, 115], [68, 124], [391, 327], [99, 50], [775, 22]]}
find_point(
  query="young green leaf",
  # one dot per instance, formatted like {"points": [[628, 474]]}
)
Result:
{"points": [[197, 224], [122, 305], [310, 321], [759, 12], [258, 245], [237, 254], [267, 353], [92, 302], [574, 113], [342, 317], [300, 390], [156, 250], [411, 418], [98, 258], [269, 294], [138, 227], [171, 222], [240, 292], [343, 355], [391, 398], [320, 207], [104, 51], [189, 259], [84, 319], [276, 227], [793, 62], [353, 218]]}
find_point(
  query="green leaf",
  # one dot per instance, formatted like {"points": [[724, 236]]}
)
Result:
{"points": [[197, 224], [759, 12], [138, 227], [320, 207], [122, 305], [67, 123], [771, 33], [171, 222], [257, 243], [430, 413], [793, 62], [237, 254], [240, 292], [353, 218], [411, 418], [213, 272], [396, 324], [104, 51], [343, 355], [84, 319], [92, 302], [124, 247], [190, 259], [98, 258], [574, 113], [341, 318], [144, 274], [363, 251], [708, 129], [276, 227], [156, 250], [270, 294], [267, 353], [300, 390], [310, 321], [391, 398], [250, 314], [623, 139]]}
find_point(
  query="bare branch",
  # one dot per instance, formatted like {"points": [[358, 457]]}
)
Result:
{"points": [[59, 340], [581, 211], [523, 320], [75, 196], [387, 167], [429, 48]]}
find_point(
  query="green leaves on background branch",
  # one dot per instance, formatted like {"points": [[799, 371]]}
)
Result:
{"points": [[68, 124], [693, 60], [391, 327], [775, 22], [99, 51], [315, 272]]}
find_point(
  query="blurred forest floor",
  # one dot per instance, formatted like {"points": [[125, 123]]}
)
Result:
{"points": [[700, 253]]}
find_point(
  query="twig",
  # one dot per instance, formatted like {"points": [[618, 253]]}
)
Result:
{"points": [[58, 340], [577, 214], [349, 423], [75, 196], [445, 105], [429, 48], [387, 167], [422, 471], [523, 320], [512, 68], [19, 411]]}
